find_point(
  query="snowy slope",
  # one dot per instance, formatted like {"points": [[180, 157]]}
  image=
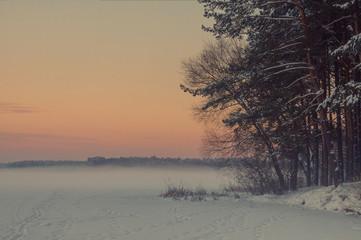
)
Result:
{"points": [[344, 198]]}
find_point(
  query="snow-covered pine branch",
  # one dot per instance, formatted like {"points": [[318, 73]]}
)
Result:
{"points": [[282, 2], [316, 94], [348, 94], [345, 5], [280, 18], [353, 46], [291, 69], [286, 65]]}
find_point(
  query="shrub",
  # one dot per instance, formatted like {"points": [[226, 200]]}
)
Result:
{"points": [[182, 190], [254, 176], [176, 192], [200, 190]]}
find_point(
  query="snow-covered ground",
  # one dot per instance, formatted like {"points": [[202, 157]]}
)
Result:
{"points": [[124, 204], [345, 198]]}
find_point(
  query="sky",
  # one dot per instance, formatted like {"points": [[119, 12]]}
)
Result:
{"points": [[97, 78]]}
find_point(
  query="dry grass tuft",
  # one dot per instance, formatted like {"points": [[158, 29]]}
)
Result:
{"points": [[182, 190]]}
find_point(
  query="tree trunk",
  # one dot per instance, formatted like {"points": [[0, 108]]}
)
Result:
{"points": [[325, 130], [266, 140], [340, 164], [316, 150], [308, 157], [294, 171], [349, 145], [359, 138], [272, 153], [357, 110]]}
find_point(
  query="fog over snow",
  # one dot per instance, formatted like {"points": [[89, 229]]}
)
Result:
{"points": [[124, 203]]}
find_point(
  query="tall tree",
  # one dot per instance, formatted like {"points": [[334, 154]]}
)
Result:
{"points": [[221, 75], [297, 84]]}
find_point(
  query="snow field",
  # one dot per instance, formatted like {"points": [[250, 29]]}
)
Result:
{"points": [[106, 210]]}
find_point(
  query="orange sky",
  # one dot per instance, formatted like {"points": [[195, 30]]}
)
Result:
{"points": [[87, 78]]}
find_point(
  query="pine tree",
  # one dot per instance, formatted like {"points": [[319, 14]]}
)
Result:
{"points": [[298, 83]]}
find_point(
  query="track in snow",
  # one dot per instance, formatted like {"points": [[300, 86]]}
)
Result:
{"points": [[116, 214]]}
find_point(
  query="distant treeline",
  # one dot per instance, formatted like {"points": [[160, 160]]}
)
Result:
{"points": [[152, 161], [122, 161], [42, 163]]}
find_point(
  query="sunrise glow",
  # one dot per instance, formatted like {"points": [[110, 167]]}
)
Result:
{"points": [[80, 79]]}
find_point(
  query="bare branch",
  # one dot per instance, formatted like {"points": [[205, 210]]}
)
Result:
{"points": [[297, 80], [337, 20], [290, 45]]}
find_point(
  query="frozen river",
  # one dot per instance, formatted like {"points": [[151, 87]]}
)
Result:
{"points": [[125, 204]]}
